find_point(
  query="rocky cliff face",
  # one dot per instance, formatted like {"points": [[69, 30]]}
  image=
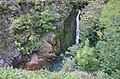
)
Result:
{"points": [[50, 42], [8, 9], [61, 9]]}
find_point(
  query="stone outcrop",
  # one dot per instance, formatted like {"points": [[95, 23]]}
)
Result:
{"points": [[61, 10], [35, 63], [9, 9], [48, 47]]}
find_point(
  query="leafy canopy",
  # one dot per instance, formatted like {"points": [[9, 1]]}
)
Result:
{"points": [[109, 47]]}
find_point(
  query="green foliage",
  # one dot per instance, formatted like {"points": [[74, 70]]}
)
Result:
{"points": [[68, 64], [74, 49], [44, 74], [115, 75], [40, 74], [109, 52], [90, 23], [101, 24], [103, 75], [86, 58], [110, 15], [109, 47], [28, 28]]}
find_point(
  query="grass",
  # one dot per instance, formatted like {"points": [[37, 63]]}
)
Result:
{"points": [[10, 73]]}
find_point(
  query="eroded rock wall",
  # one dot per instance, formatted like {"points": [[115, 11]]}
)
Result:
{"points": [[14, 8], [9, 9]]}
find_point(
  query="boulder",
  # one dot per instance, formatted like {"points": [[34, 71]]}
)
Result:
{"points": [[48, 45], [35, 63]]}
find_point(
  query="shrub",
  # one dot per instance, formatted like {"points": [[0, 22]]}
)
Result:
{"points": [[90, 22], [109, 47], [109, 53], [74, 49], [85, 57], [40, 74], [28, 28], [44, 74]]}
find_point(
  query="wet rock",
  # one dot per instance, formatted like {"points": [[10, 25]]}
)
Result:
{"points": [[56, 64]]}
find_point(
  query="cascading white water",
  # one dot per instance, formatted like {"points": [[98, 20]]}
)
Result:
{"points": [[77, 27]]}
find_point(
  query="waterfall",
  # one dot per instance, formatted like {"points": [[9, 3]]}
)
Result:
{"points": [[77, 27]]}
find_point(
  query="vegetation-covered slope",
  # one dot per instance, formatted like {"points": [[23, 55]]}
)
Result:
{"points": [[99, 49], [101, 25]]}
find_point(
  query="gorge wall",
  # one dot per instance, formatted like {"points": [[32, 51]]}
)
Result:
{"points": [[64, 11]]}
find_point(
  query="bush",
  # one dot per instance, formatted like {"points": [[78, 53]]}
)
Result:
{"points": [[40, 74], [109, 53], [85, 57], [109, 47], [90, 22], [10, 73], [28, 28]]}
